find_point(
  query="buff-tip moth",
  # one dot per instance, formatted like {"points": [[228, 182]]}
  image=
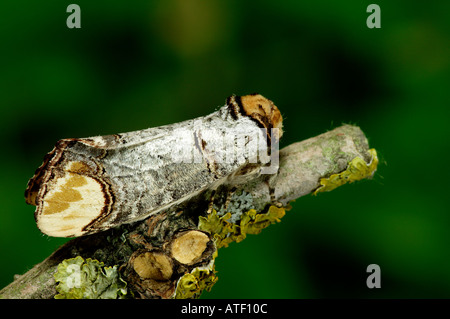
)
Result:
{"points": [[87, 185]]}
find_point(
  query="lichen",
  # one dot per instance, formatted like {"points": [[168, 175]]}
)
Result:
{"points": [[356, 170], [191, 285], [224, 231], [226, 225], [239, 202], [88, 279]]}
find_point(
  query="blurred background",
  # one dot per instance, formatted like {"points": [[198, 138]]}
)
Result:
{"points": [[140, 64]]}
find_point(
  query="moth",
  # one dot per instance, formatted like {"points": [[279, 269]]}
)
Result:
{"points": [[87, 185]]}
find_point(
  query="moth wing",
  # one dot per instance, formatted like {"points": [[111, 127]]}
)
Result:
{"points": [[74, 188], [68, 189], [71, 201], [67, 218]]}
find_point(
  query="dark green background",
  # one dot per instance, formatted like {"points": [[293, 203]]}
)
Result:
{"points": [[138, 64]]}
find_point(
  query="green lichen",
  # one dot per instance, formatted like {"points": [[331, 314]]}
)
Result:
{"points": [[227, 225], [191, 285], [88, 279], [224, 231], [356, 170]]}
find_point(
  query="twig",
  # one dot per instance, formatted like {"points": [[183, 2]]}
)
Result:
{"points": [[156, 256]]}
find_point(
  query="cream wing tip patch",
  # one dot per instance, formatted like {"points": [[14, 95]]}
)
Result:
{"points": [[72, 202]]}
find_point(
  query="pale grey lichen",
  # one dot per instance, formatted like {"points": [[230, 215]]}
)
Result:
{"points": [[239, 203]]}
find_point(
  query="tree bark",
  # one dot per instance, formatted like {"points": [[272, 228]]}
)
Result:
{"points": [[152, 255]]}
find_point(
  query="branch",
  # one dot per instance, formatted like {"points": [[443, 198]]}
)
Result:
{"points": [[171, 254]]}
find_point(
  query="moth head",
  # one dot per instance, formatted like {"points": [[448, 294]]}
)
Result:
{"points": [[260, 109]]}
